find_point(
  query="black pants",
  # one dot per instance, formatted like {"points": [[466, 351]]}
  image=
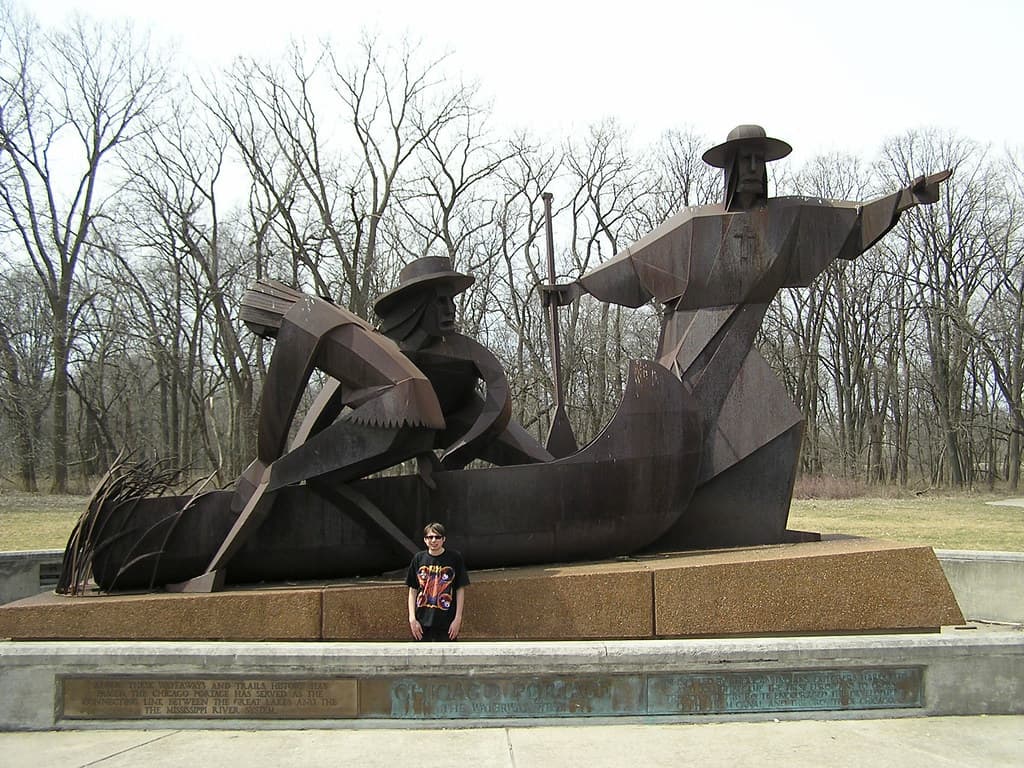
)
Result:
{"points": [[436, 633]]}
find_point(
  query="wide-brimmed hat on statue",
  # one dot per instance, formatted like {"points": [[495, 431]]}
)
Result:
{"points": [[746, 137], [423, 272]]}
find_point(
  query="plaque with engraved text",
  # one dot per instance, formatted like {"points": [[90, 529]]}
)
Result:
{"points": [[486, 696], [785, 691], [132, 698]]}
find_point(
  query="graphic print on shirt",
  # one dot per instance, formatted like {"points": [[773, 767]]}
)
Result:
{"points": [[435, 586]]}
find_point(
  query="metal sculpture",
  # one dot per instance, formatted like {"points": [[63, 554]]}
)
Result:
{"points": [[398, 394], [409, 390], [714, 269], [701, 452], [561, 440], [615, 496]]}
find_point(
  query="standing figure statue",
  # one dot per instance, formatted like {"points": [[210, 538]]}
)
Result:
{"points": [[715, 269]]}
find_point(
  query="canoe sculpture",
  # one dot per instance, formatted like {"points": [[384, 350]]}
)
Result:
{"points": [[615, 496]]}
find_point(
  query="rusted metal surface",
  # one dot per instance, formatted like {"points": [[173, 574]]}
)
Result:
{"points": [[715, 269], [701, 453], [561, 441], [305, 512], [615, 496]]}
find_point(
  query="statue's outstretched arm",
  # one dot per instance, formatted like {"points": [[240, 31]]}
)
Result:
{"points": [[878, 216], [615, 282]]}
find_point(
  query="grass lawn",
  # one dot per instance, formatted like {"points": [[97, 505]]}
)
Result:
{"points": [[37, 521], [943, 522]]}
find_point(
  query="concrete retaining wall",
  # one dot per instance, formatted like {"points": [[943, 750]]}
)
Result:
{"points": [[23, 574], [963, 672], [989, 586]]}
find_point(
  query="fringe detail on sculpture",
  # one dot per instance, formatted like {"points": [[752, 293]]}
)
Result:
{"points": [[408, 403], [265, 304], [124, 485]]}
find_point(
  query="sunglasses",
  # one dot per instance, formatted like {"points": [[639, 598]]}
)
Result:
{"points": [[433, 536]]}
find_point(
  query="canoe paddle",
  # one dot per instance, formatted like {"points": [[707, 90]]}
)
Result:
{"points": [[561, 440]]}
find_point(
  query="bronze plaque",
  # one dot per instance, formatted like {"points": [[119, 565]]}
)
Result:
{"points": [[432, 697], [502, 697], [130, 698], [785, 690]]}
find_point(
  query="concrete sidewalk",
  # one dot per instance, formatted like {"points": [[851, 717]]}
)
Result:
{"points": [[927, 741]]}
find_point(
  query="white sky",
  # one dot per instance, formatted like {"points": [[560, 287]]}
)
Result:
{"points": [[820, 74]]}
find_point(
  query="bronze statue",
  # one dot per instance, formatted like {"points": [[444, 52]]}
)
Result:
{"points": [[420, 316], [404, 400], [398, 394], [714, 269], [702, 451]]}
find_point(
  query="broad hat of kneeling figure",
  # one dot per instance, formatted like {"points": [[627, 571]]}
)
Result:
{"points": [[424, 272]]}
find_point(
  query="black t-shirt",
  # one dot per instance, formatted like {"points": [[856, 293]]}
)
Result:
{"points": [[437, 580]]}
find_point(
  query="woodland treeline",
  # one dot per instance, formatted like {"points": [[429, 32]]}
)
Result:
{"points": [[137, 202]]}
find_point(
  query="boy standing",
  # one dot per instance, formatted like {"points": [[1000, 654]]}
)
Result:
{"points": [[437, 581]]}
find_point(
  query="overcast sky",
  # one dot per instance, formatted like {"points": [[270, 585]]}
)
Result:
{"points": [[822, 75]]}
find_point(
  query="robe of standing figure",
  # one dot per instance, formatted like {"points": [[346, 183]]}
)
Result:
{"points": [[715, 271]]}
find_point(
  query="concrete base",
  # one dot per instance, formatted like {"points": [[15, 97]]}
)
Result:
{"points": [[28, 573], [841, 585], [956, 672], [989, 586]]}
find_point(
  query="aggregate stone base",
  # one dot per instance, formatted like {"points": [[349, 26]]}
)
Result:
{"points": [[840, 585], [272, 614], [850, 585]]}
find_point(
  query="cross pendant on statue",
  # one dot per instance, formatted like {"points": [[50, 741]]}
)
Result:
{"points": [[747, 244]]}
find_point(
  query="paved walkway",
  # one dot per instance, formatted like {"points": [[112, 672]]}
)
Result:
{"points": [[1006, 503], [908, 742]]}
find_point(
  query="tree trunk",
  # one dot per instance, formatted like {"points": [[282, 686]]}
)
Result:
{"points": [[60, 402], [1013, 452]]}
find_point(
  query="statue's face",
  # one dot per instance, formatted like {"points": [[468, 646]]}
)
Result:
{"points": [[439, 317], [750, 172]]}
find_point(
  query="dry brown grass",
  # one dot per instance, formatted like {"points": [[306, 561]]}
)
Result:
{"points": [[943, 522], [828, 487], [39, 521]]}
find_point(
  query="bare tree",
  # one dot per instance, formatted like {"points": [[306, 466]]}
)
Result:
{"points": [[70, 100], [186, 270], [25, 366], [683, 178], [335, 145], [106, 376], [451, 201], [518, 238], [947, 263], [613, 190], [297, 202], [999, 325]]}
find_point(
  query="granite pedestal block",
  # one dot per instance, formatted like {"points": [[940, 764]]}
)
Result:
{"points": [[841, 585]]}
